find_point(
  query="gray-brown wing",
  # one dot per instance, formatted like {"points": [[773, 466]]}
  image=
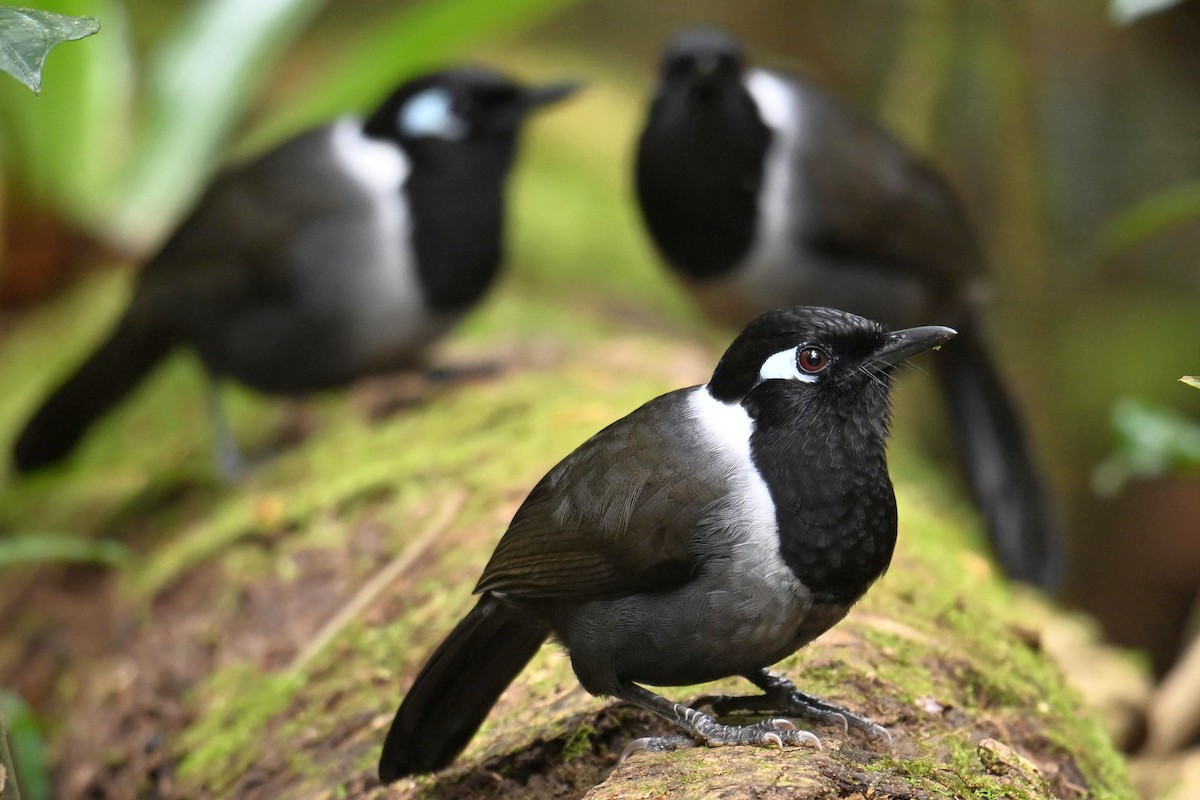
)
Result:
{"points": [[881, 204], [234, 245], [615, 516]]}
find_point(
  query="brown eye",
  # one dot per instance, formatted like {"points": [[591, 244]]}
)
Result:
{"points": [[812, 359]]}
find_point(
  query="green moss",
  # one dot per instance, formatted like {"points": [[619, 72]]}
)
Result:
{"points": [[579, 743], [224, 741]]}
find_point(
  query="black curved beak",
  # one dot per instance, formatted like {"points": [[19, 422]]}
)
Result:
{"points": [[537, 96], [902, 345]]}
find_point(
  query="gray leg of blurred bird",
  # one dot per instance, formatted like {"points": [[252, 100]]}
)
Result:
{"points": [[231, 466]]}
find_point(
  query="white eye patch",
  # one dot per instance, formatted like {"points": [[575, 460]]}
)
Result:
{"points": [[431, 113], [782, 366]]}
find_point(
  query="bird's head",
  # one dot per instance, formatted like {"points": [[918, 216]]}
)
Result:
{"points": [[700, 61], [461, 106], [816, 358]]}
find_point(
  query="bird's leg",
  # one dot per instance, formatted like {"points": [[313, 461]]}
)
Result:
{"points": [[780, 696], [228, 458], [700, 728], [463, 373]]}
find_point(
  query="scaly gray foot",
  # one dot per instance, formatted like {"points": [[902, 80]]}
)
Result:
{"points": [[704, 730], [782, 697]]}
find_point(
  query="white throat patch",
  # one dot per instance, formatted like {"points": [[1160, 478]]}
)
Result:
{"points": [[726, 425], [780, 200], [726, 429], [775, 100], [378, 165]]}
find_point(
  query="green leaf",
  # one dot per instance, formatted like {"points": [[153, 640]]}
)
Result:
{"points": [[420, 36], [202, 76], [1152, 442], [27, 35], [1152, 216], [28, 745], [1124, 12], [37, 547]]}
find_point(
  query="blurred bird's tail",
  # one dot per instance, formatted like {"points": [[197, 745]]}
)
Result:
{"points": [[458, 687], [107, 376], [1001, 470]]}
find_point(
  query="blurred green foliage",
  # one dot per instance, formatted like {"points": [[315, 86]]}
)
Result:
{"points": [[198, 81], [41, 547], [1151, 217], [22, 742], [1152, 442]]}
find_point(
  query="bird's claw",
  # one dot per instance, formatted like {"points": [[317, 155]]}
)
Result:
{"points": [[656, 744], [783, 731], [770, 732], [786, 699], [872, 730], [779, 733], [880, 733]]}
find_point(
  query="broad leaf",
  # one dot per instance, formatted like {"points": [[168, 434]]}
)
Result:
{"points": [[1125, 12], [32, 548], [1152, 442], [203, 74], [22, 742], [27, 35], [1152, 216]]}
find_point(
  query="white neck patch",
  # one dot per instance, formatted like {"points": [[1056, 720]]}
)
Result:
{"points": [[431, 113], [380, 166], [782, 366], [775, 100], [726, 428], [724, 424], [780, 203]]}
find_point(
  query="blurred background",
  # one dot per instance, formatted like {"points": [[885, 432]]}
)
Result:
{"points": [[1072, 134]]}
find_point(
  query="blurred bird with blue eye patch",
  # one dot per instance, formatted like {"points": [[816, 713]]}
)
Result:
{"points": [[344, 252]]}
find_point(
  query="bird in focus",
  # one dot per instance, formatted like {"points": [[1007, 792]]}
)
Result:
{"points": [[761, 190], [710, 533], [344, 252]]}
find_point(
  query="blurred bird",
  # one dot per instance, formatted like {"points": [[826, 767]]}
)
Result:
{"points": [[343, 252], [710, 533], [762, 191]]}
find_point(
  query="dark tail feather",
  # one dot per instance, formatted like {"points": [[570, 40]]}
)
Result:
{"points": [[458, 687], [1000, 466], [107, 376]]}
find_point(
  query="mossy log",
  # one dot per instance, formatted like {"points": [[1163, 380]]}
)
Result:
{"points": [[257, 638]]}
